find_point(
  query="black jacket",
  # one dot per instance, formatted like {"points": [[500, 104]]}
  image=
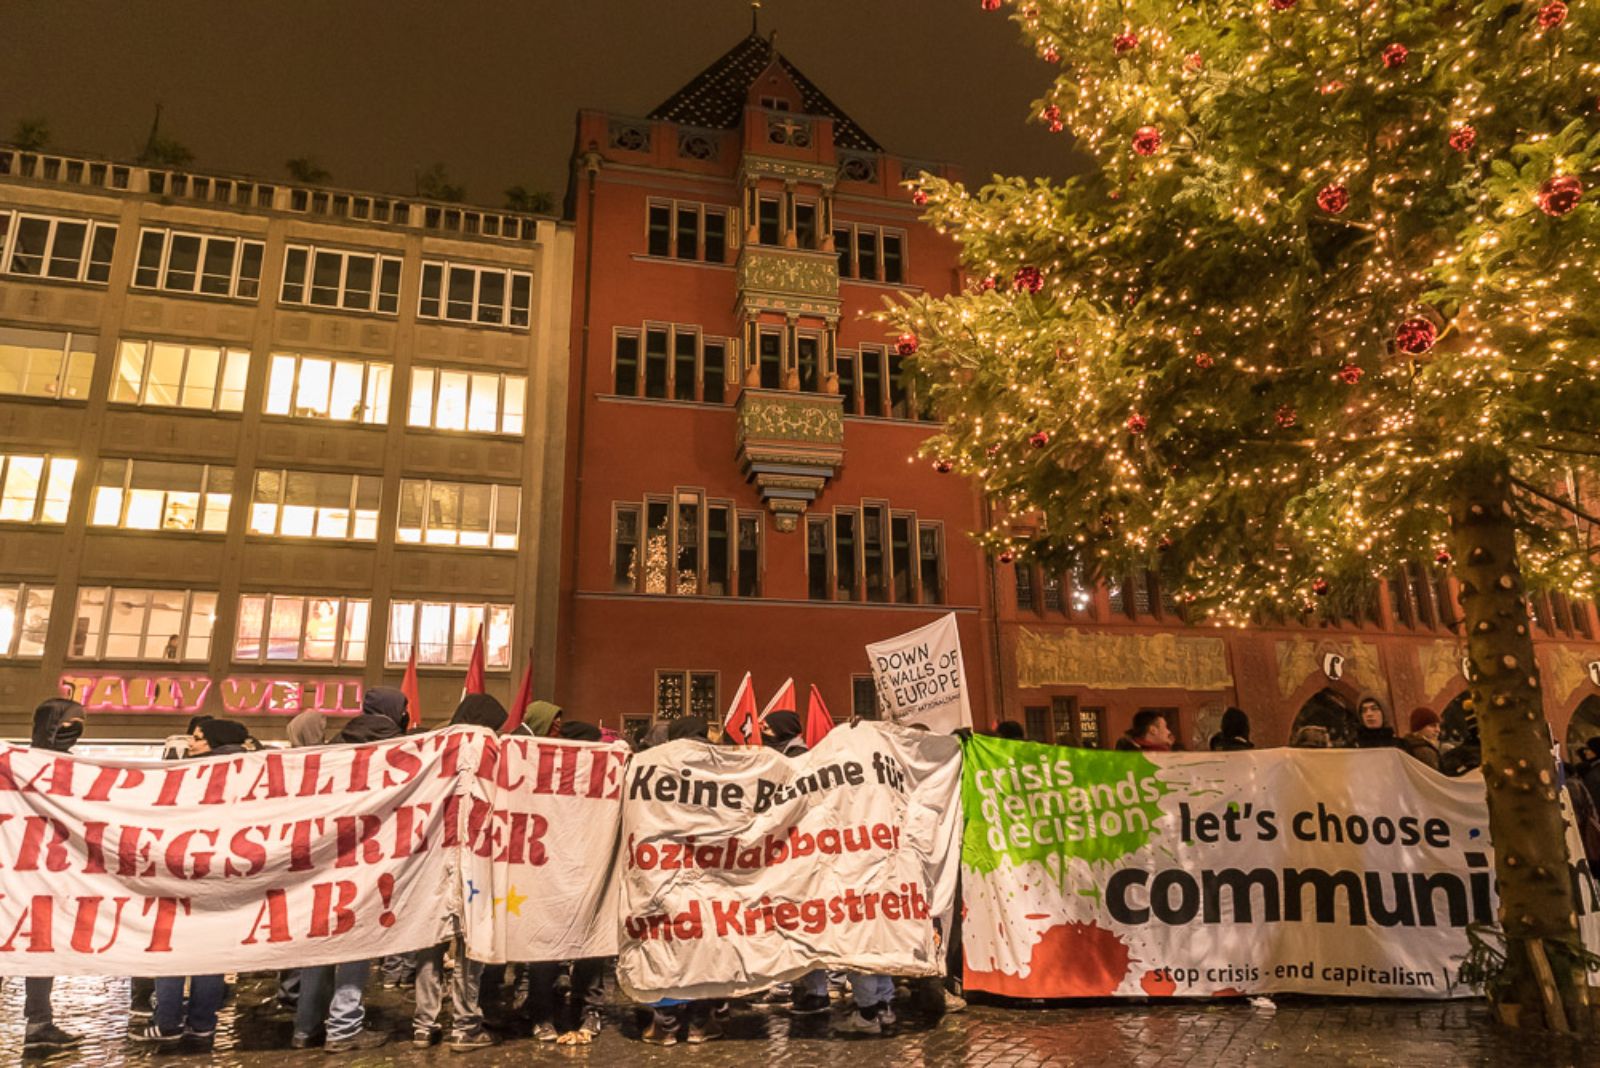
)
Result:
{"points": [[1376, 738]]}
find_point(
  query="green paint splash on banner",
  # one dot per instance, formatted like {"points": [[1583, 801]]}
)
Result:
{"points": [[1029, 802]]}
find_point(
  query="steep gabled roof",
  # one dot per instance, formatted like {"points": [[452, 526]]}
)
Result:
{"points": [[716, 97]]}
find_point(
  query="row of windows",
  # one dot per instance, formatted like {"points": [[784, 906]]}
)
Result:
{"points": [[685, 544], [115, 623], [875, 554], [41, 363], [181, 497], [48, 246], [681, 693], [1070, 595], [686, 230], [675, 361]]}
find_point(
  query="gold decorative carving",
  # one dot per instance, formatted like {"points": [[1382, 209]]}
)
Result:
{"points": [[1303, 658], [1565, 669], [1122, 661], [790, 272], [1441, 664]]}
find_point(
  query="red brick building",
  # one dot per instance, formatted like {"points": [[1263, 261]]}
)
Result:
{"points": [[741, 486]]}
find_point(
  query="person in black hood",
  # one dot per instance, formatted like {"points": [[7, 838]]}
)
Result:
{"points": [[480, 710], [781, 730], [1234, 734], [220, 736], [57, 726], [383, 716], [687, 727], [578, 731], [1374, 732]]}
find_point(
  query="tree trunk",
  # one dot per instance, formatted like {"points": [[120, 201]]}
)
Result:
{"points": [[1537, 911]]}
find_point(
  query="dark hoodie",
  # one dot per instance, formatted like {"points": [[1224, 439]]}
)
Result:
{"points": [[224, 736], [782, 731], [687, 727], [57, 724], [1234, 734], [479, 710], [1376, 737], [579, 731], [383, 716]]}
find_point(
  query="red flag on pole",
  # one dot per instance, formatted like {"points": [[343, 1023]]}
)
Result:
{"points": [[740, 721], [818, 721], [475, 680], [524, 695], [782, 701], [413, 692]]}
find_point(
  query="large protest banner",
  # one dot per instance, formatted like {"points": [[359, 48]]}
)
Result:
{"points": [[287, 858], [920, 678], [742, 867], [1091, 873]]}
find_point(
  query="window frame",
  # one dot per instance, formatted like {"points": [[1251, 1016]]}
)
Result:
{"points": [[495, 491], [380, 407], [511, 276], [704, 504], [225, 356], [241, 244], [639, 337], [686, 678], [280, 507], [848, 250], [505, 384], [856, 512], [38, 515], [11, 648], [90, 271], [701, 210], [415, 604], [125, 489], [343, 640], [184, 635], [63, 376], [375, 301]]}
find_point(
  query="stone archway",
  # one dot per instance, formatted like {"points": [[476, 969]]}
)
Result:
{"points": [[1584, 724], [1331, 709]]}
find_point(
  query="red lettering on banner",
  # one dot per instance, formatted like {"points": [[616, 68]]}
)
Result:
{"points": [[166, 915], [299, 835], [106, 781], [171, 783], [411, 829], [310, 783], [603, 784], [59, 772], [275, 912], [245, 848], [503, 772], [406, 764], [87, 919], [330, 916], [217, 772], [525, 842], [550, 781], [36, 917], [271, 777], [452, 820], [178, 859], [352, 837], [360, 762], [130, 850], [450, 756], [54, 851]]}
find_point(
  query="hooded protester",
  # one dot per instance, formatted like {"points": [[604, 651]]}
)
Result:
{"points": [[57, 726], [383, 716], [1469, 754], [688, 727], [309, 728], [1234, 735], [480, 710], [1423, 741], [576, 731], [1374, 732], [222, 736], [783, 731], [1010, 729], [542, 719], [658, 734]]}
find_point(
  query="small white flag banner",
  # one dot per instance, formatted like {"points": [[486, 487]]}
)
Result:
{"points": [[920, 678]]}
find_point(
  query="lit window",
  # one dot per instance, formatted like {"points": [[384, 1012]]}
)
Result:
{"points": [[276, 627], [443, 633], [463, 400], [35, 489], [24, 619], [459, 513], [491, 296], [123, 624], [46, 363], [207, 264], [47, 246], [332, 278], [170, 375], [321, 387], [151, 495], [315, 504], [686, 546], [700, 688]]}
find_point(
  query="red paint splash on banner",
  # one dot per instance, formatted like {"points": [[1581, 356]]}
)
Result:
{"points": [[1158, 984], [1071, 960]]}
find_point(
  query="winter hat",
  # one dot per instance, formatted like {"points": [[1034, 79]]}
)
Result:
{"points": [[1422, 718]]}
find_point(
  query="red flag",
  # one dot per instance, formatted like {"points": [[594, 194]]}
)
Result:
{"points": [[818, 721], [782, 701], [524, 695], [413, 692], [740, 721], [475, 680]]}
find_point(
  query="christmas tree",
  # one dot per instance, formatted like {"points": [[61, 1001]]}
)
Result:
{"points": [[1323, 303]]}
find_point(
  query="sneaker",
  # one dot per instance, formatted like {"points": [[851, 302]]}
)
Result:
{"points": [[656, 1035], [359, 1041], [886, 1016], [199, 1041], [467, 1041], [954, 1002], [425, 1037], [709, 1031], [809, 1004], [593, 1022], [310, 1041], [150, 1033], [545, 1031], [855, 1023]]}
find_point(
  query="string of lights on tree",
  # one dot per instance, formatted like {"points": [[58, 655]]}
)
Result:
{"points": [[1322, 254]]}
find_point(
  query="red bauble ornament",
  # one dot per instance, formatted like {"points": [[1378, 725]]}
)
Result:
{"points": [[1552, 14], [1416, 336], [944, 467], [1320, 587], [1350, 374], [1329, 88], [1442, 557], [1559, 195], [1006, 556], [1137, 423], [1123, 43], [1463, 137], [1052, 115], [1282, 5], [1164, 544], [991, 5], [906, 344], [1333, 198], [988, 284], [1147, 140], [1285, 417], [1051, 55], [919, 198], [1027, 278], [1395, 55], [1195, 61], [993, 450], [1039, 439], [1204, 361]]}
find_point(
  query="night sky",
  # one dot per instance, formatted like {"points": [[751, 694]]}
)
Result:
{"points": [[376, 90]]}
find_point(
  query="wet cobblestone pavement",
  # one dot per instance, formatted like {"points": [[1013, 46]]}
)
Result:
{"points": [[1303, 1032]]}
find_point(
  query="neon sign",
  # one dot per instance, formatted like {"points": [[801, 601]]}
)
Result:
{"points": [[239, 694]]}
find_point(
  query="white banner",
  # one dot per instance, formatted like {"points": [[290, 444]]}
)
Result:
{"points": [[288, 858], [920, 679], [741, 867], [1092, 874]]}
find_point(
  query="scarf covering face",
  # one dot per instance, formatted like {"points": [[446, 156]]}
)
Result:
{"points": [[386, 701], [479, 710], [539, 715], [57, 724], [780, 727], [307, 729]]}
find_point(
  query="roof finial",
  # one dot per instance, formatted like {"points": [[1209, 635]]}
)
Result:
{"points": [[755, 17]]}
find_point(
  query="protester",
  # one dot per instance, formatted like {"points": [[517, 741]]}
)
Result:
{"points": [[383, 716], [1010, 729], [309, 728], [1311, 737], [57, 726], [1149, 733], [1374, 732], [1423, 741], [542, 719], [1234, 734], [1469, 753]]}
